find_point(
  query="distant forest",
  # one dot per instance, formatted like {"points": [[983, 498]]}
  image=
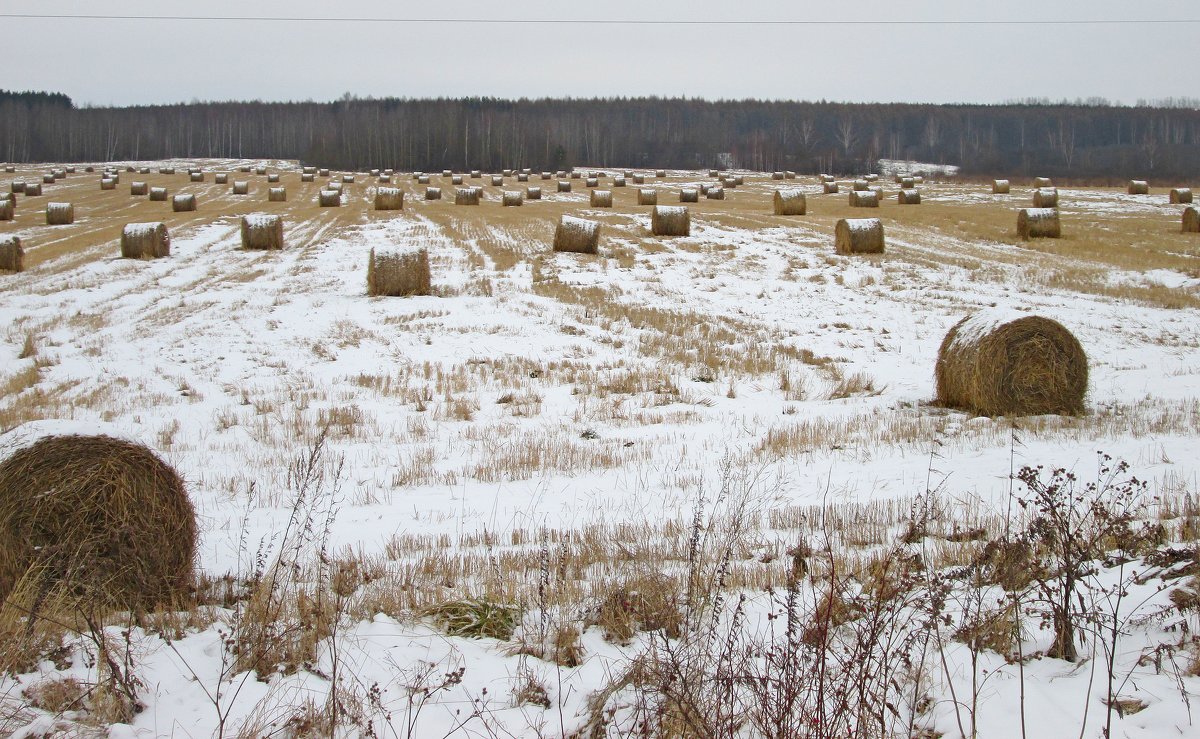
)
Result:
{"points": [[1083, 139]]}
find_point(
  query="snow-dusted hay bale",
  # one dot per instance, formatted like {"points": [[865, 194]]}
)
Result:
{"points": [[1191, 220], [497, 180], [456, 179], [112, 526], [506, 173], [564, 186], [262, 231], [730, 182], [322, 173], [858, 236], [909, 197], [533, 193], [789, 174], [592, 182], [713, 173], [790, 202], [145, 241], [689, 195], [467, 195], [241, 187], [348, 178], [1038, 223], [9, 168], [1001, 362], [12, 255], [861, 185], [660, 173], [158, 194], [335, 186], [671, 220], [221, 178], [1042, 182], [777, 175], [196, 177], [577, 235], [739, 180], [476, 174], [830, 188], [8, 209], [647, 196], [386, 179], [433, 193], [244, 168], [48, 179], [864, 199], [1045, 197], [522, 177], [183, 203], [638, 179], [712, 192], [907, 183], [277, 195], [398, 270], [1000, 187], [138, 188], [1139, 187], [447, 173], [547, 175], [512, 198], [308, 170], [166, 170], [1181, 195], [389, 198], [106, 183], [576, 175], [308, 177], [601, 198], [827, 178], [329, 199], [260, 170], [60, 214], [618, 181], [273, 178], [871, 177]]}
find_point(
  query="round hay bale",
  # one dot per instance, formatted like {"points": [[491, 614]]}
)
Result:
{"points": [[739, 180], [1191, 220], [138, 188], [909, 197], [48, 179], [547, 176], [241, 187], [564, 186], [12, 255], [777, 175], [9, 168], [158, 194], [861, 185], [512, 198], [576, 175], [918, 179], [348, 178], [260, 170], [533, 193], [1181, 195], [871, 177], [638, 179], [106, 183], [389, 198], [1042, 182], [244, 168], [374, 173], [602, 198], [262, 231], [467, 195], [618, 182], [1038, 223], [1000, 187], [308, 170], [830, 188], [145, 241], [827, 178], [433, 193], [858, 236], [456, 179], [789, 174], [522, 177], [647, 196], [329, 199], [713, 173], [277, 195], [8, 209], [273, 178], [115, 177], [196, 177], [714, 193], [60, 214], [322, 172], [1045, 197], [1139, 187], [907, 183], [660, 173], [476, 174], [221, 178], [183, 203], [34, 189], [497, 181], [17, 186], [447, 173], [398, 270], [689, 195], [166, 170], [307, 177], [864, 199], [577, 235], [506, 172], [790, 202], [335, 186], [1001, 362], [592, 182], [671, 220], [112, 525]]}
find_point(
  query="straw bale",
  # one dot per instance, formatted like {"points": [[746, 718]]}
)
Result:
{"points": [[221, 178], [17, 186], [1045, 197], [1038, 222], [1139, 187], [602, 198], [577, 235], [1000, 187], [638, 179], [712, 192], [348, 178], [1001, 362], [592, 182], [909, 197], [713, 173], [476, 174], [273, 178], [564, 186], [262, 231], [12, 255], [467, 195], [861, 185], [308, 170], [158, 194], [166, 170], [8, 208], [34, 189], [547, 176], [660, 173], [533, 193], [789, 175], [447, 173], [196, 177], [389, 198], [113, 526], [647, 196], [48, 179], [60, 214], [1042, 182], [689, 195], [790, 202], [322, 172], [858, 236], [306, 177], [277, 194], [374, 173], [433, 193], [827, 178], [244, 168], [512, 198], [145, 241], [864, 199], [9, 168], [241, 187], [830, 188], [183, 203], [523, 177], [497, 180], [398, 270], [671, 220], [106, 183], [506, 173], [576, 176], [1191, 220], [777, 175], [260, 170], [1181, 195], [871, 177], [907, 183], [618, 182], [138, 188], [456, 179], [329, 199]]}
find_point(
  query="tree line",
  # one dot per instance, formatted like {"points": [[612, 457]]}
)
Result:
{"points": [[1082, 139]]}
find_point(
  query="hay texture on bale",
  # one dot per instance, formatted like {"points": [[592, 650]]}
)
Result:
{"points": [[547, 175], [35, 188], [714, 193], [1042, 182], [601, 199], [858, 236], [241, 187], [260, 170], [183, 203], [671, 220], [1045, 197], [329, 199], [106, 183], [577, 235], [907, 183], [112, 527], [322, 172], [860, 185], [138, 188], [8, 208], [433, 193], [618, 182], [145, 241], [277, 195], [456, 179], [272, 178], [389, 198], [909, 197], [497, 180], [1191, 220], [1181, 195], [17, 186], [1000, 187], [564, 186], [196, 177], [790, 202], [1139, 187], [166, 170], [592, 182], [12, 255], [158, 194], [864, 199], [523, 177], [777, 175], [48, 179], [348, 178], [1038, 223], [660, 173], [647, 196], [511, 198], [307, 177], [221, 178], [533, 193], [60, 214], [830, 188], [466, 195], [262, 231], [689, 195], [1002, 362], [398, 270]]}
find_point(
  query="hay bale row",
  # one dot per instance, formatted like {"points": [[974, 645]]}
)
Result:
{"points": [[467, 195], [398, 270], [1038, 223], [1000, 362], [577, 235], [60, 214], [671, 220], [858, 236], [12, 255], [1181, 195], [389, 198], [790, 202], [145, 241], [262, 231]]}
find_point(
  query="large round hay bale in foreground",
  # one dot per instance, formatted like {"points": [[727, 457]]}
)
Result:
{"points": [[1045, 197], [60, 214], [12, 255], [790, 203], [858, 236], [671, 220], [1038, 223], [277, 195], [183, 203], [398, 270], [262, 231], [145, 241], [601, 199], [577, 235], [158, 194], [329, 199], [1001, 362], [1000, 187], [389, 198], [1191, 220], [1139, 187], [92, 516], [1181, 195]]}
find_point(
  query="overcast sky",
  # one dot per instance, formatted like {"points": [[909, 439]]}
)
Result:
{"points": [[119, 62]]}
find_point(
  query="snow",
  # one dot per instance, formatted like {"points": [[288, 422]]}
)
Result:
{"points": [[260, 220], [28, 434], [862, 224]]}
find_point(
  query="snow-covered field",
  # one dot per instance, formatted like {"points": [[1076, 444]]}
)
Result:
{"points": [[476, 440]]}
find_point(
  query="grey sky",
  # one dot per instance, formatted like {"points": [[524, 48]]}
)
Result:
{"points": [[156, 61]]}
